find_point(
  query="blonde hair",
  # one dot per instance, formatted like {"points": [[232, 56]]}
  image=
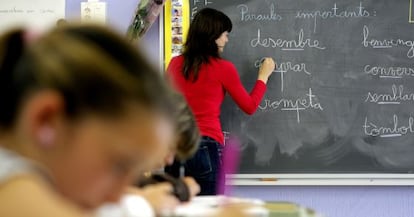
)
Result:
{"points": [[188, 132]]}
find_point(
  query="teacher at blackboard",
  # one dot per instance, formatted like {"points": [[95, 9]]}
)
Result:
{"points": [[203, 77]]}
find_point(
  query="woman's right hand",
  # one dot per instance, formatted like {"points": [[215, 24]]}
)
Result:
{"points": [[266, 69]]}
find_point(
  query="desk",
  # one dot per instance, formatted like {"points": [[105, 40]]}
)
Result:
{"points": [[203, 206], [286, 209]]}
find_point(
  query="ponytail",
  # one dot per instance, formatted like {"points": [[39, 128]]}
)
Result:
{"points": [[91, 67], [11, 51]]}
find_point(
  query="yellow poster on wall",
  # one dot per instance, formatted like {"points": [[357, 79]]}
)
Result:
{"points": [[176, 23]]}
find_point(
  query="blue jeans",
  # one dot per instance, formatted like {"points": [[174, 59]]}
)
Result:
{"points": [[204, 166]]}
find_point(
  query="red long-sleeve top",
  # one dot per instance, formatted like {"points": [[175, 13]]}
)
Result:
{"points": [[206, 95]]}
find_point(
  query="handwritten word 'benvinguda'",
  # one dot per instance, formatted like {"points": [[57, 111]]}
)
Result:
{"points": [[386, 43]]}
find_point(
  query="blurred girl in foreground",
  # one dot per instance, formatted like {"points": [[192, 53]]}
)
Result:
{"points": [[82, 116]]}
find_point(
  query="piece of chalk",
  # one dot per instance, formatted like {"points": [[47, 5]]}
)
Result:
{"points": [[268, 179]]}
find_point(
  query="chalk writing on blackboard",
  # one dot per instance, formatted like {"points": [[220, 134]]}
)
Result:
{"points": [[246, 15], [410, 14], [334, 13], [199, 3], [309, 101], [389, 72], [286, 67], [372, 42], [397, 95], [341, 98], [395, 130], [299, 44]]}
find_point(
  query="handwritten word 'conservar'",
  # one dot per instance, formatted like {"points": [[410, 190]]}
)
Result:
{"points": [[389, 72]]}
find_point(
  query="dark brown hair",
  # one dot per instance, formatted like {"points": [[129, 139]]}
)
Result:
{"points": [[207, 26]]}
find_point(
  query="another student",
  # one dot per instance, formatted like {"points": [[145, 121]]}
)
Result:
{"points": [[158, 196], [188, 138], [188, 133], [82, 115], [204, 78]]}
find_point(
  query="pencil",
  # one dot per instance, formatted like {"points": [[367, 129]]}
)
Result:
{"points": [[182, 170]]}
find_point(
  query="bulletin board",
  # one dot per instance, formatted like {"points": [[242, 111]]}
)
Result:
{"points": [[176, 23], [35, 14]]}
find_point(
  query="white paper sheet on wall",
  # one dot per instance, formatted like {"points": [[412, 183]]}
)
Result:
{"points": [[36, 14], [94, 11]]}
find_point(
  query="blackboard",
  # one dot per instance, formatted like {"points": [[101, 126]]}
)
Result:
{"points": [[342, 98]]}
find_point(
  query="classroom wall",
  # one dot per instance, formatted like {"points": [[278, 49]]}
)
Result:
{"points": [[358, 201], [340, 201], [119, 15]]}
